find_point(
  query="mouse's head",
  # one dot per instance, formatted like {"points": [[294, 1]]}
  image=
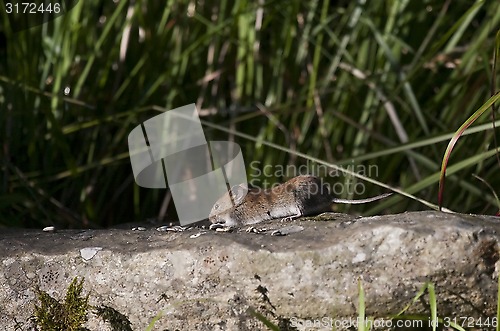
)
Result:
{"points": [[221, 212]]}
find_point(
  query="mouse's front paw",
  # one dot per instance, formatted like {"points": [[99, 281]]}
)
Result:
{"points": [[253, 229], [290, 218]]}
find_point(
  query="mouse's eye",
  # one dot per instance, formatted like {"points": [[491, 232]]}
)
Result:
{"points": [[216, 206]]}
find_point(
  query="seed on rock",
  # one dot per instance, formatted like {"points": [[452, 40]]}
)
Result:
{"points": [[49, 229]]}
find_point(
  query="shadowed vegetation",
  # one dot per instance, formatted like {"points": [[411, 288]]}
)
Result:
{"points": [[352, 83]]}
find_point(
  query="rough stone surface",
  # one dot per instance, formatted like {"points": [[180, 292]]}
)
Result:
{"points": [[206, 280]]}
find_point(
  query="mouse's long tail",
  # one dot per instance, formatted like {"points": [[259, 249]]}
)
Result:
{"points": [[360, 201]]}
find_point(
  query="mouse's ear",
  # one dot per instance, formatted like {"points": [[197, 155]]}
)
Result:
{"points": [[238, 193]]}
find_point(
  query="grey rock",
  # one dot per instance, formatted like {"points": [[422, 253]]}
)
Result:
{"points": [[207, 280]]}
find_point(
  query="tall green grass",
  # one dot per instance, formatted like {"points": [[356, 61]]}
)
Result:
{"points": [[349, 83]]}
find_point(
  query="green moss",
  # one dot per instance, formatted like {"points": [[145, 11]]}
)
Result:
{"points": [[51, 315], [117, 320]]}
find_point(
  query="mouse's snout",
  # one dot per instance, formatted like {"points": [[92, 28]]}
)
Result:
{"points": [[223, 209], [214, 219], [216, 215]]}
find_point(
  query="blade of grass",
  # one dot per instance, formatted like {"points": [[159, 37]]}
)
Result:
{"points": [[454, 140], [419, 294], [490, 187], [117, 13], [493, 88], [433, 305], [155, 319], [361, 307], [264, 320], [498, 303], [316, 57]]}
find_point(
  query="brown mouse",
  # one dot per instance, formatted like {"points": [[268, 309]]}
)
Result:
{"points": [[300, 196]]}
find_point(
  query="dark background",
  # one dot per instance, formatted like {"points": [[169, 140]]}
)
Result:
{"points": [[381, 83]]}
